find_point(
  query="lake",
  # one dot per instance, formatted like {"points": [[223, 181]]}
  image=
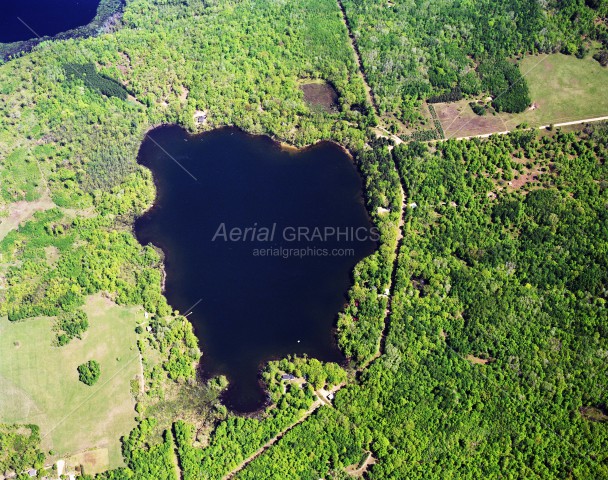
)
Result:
{"points": [[45, 17], [259, 245]]}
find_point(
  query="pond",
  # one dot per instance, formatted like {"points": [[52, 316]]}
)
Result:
{"points": [[260, 243], [44, 17]]}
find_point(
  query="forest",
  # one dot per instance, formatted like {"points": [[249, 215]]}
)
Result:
{"points": [[19, 448], [89, 75], [413, 50], [495, 354], [492, 361]]}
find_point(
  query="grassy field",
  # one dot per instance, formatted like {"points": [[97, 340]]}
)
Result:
{"points": [[458, 120], [563, 88], [39, 382]]}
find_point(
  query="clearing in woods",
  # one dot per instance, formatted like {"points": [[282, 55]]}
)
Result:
{"points": [[563, 88], [320, 96], [39, 382]]}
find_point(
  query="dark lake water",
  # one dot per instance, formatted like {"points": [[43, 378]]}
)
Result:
{"points": [[247, 308], [45, 17]]}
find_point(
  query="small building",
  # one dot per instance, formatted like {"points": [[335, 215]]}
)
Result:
{"points": [[287, 376], [32, 472], [200, 117]]}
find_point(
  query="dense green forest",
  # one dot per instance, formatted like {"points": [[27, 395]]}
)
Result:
{"points": [[514, 278], [493, 359], [414, 50], [495, 355], [19, 448], [89, 75]]}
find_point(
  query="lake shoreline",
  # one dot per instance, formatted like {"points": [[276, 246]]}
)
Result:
{"points": [[109, 13], [284, 145], [328, 349]]}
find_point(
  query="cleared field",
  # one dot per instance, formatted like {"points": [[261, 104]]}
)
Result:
{"points": [[563, 88], [321, 96], [39, 382], [458, 120], [18, 212]]}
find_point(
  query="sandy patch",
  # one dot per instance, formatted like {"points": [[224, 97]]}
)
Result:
{"points": [[478, 361], [184, 95], [21, 211], [458, 120], [93, 461]]}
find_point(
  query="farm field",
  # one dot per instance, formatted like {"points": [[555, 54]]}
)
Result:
{"points": [[39, 382], [562, 88]]}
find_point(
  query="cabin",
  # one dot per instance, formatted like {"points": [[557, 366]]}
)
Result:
{"points": [[200, 117], [287, 376]]}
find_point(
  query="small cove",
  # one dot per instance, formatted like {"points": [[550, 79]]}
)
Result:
{"points": [[259, 244]]}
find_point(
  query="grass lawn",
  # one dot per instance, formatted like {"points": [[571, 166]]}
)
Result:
{"points": [[562, 87], [39, 382]]}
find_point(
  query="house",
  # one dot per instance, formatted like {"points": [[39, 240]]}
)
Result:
{"points": [[200, 117], [287, 376]]}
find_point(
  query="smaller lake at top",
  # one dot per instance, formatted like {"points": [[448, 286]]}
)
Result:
{"points": [[45, 17], [260, 244]]}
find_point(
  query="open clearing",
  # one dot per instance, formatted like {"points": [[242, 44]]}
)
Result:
{"points": [[95, 461], [19, 212], [39, 382], [321, 96], [458, 120], [563, 88]]}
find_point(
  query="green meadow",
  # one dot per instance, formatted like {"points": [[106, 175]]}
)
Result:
{"points": [[39, 381]]}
